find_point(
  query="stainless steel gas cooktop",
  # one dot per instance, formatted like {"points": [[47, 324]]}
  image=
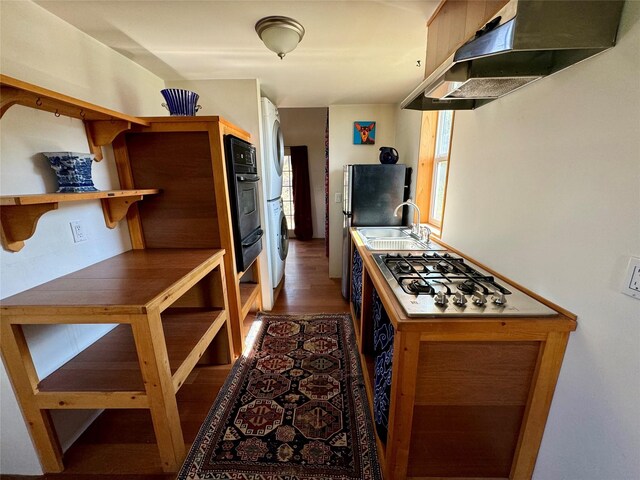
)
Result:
{"points": [[435, 284]]}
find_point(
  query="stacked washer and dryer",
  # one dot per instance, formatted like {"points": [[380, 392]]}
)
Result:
{"points": [[273, 161]]}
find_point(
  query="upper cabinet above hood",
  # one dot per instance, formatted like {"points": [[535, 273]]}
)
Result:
{"points": [[526, 40]]}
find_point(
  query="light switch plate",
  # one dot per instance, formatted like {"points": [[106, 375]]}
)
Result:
{"points": [[338, 198], [78, 231], [631, 285]]}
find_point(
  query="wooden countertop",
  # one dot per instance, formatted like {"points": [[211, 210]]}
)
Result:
{"points": [[432, 326], [129, 283]]}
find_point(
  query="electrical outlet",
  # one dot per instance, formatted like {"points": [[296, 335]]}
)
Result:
{"points": [[338, 198], [78, 231], [632, 279]]}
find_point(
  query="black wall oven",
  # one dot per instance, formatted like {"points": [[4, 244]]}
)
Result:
{"points": [[242, 176]]}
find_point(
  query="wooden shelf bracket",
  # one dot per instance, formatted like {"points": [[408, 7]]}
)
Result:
{"points": [[103, 132], [19, 223], [9, 96], [116, 208]]}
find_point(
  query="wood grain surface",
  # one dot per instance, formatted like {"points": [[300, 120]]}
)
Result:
{"points": [[120, 444]]}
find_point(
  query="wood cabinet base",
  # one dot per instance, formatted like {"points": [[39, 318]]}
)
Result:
{"points": [[469, 398]]}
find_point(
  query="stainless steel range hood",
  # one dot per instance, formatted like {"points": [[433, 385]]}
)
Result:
{"points": [[525, 41]]}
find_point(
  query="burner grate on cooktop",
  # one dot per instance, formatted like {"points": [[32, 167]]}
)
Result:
{"points": [[432, 272]]}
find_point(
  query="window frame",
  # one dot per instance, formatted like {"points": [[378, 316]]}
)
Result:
{"points": [[427, 162], [287, 163]]}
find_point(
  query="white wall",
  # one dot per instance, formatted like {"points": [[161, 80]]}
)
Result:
{"points": [[239, 102], [306, 126], [544, 187], [342, 152], [39, 48]]}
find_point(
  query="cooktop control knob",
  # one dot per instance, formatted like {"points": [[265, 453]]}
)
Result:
{"points": [[441, 298], [499, 298], [479, 299], [459, 299]]}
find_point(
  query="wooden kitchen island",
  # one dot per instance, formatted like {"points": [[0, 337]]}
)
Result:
{"points": [[171, 311], [468, 396]]}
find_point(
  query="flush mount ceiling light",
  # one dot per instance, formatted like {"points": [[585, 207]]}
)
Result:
{"points": [[280, 34]]}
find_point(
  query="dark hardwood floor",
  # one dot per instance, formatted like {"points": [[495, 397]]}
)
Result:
{"points": [[307, 287], [119, 445]]}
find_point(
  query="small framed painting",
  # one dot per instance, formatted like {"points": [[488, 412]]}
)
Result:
{"points": [[364, 133]]}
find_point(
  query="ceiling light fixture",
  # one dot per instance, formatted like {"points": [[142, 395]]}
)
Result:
{"points": [[280, 34]]}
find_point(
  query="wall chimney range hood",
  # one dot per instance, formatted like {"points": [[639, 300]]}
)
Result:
{"points": [[526, 40]]}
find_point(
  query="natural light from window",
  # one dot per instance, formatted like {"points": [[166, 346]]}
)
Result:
{"points": [[287, 189], [440, 165]]}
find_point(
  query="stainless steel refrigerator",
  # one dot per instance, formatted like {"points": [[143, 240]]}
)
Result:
{"points": [[371, 194]]}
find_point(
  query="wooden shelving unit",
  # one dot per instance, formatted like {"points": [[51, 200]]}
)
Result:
{"points": [[170, 306], [20, 213], [170, 296], [101, 124], [184, 156]]}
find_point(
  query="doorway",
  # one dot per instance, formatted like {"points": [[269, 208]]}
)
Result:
{"points": [[308, 127]]}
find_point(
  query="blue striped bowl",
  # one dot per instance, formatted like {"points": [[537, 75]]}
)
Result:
{"points": [[180, 102]]}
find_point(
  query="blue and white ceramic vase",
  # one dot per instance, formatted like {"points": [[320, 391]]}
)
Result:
{"points": [[73, 171], [180, 103]]}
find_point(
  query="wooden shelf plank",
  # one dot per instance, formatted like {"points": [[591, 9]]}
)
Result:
{"points": [[89, 400], [40, 198], [20, 213], [107, 371], [249, 292], [109, 365], [189, 331], [229, 127], [17, 92], [125, 284]]}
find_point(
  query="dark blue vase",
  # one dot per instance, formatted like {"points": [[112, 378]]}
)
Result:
{"points": [[73, 171], [180, 103]]}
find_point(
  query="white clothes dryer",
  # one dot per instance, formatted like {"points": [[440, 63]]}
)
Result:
{"points": [[280, 243], [273, 150]]}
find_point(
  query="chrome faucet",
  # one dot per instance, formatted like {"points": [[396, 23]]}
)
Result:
{"points": [[415, 228]]}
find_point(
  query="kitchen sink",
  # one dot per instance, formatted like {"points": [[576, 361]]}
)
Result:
{"points": [[392, 238], [395, 244], [384, 232]]}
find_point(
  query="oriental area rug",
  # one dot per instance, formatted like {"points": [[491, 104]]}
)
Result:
{"points": [[294, 407]]}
